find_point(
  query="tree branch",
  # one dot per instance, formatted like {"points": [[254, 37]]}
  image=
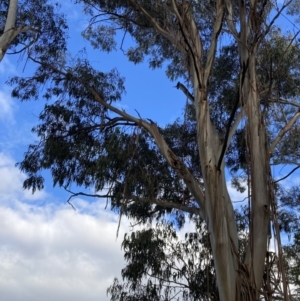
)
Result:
{"points": [[7, 38], [165, 33], [283, 132], [166, 204], [184, 89], [10, 32], [226, 140], [171, 158], [192, 41], [287, 162], [231, 130], [230, 23], [275, 18], [93, 195], [162, 203], [286, 176], [181, 169], [286, 102], [213, 45]]}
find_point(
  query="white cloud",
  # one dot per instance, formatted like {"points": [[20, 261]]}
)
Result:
{"points": [[237, 197], [65, 256], [52, 252], [12, 181], [6, 67], [7, 106]]}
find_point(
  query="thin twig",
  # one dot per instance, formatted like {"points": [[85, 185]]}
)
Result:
{"points": [[286, 175]]}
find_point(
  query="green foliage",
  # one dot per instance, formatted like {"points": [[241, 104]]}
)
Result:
{"points": [[161, 267], [292, 253], [101, 37]]}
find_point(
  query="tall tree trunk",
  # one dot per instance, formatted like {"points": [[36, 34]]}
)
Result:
{"points": [[259, 173], [219, 209], [257, 148]]}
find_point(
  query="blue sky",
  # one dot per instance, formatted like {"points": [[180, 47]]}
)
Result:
{"points": [[48, 251]]}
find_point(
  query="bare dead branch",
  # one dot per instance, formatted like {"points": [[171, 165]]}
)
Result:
{"points": [[93, 195]]}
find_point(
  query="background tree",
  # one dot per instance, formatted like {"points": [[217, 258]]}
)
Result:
{"points": [[160, 267], [149, 171]]}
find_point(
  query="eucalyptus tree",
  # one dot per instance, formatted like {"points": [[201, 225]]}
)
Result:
{"points": [[25, 24], [151, 171]]}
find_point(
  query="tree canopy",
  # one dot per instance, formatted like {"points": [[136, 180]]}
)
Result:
{"points": [[241, 116]]}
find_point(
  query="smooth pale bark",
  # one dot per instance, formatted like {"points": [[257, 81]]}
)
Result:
{"points": [[256, 144], [257, 150], [214, 202], [11, 15], [215, 206], [10, 32], [219, 210], [260, 178]]}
